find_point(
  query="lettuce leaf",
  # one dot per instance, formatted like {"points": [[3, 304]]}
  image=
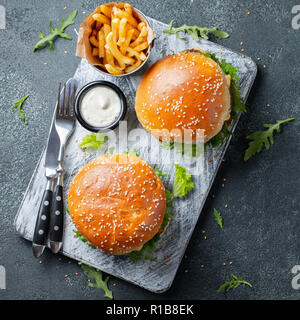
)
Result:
{"points": [[182, 182], [83, 239], [94, 140], [229, 69]]}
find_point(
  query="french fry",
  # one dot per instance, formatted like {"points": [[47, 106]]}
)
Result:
{"points": [[128, 8], [111, 69], [122, 35], [134, 53], [98, 25], [142, 46], [115, 28], [94, 41], [112, 46], [95, 52], [101, 18], [135, 34], [129, 36], [124, 45], [124, 14], [141, 25], [134, 66], [143, 56], [118, 38], [122, 29], [108, 58], [106, 10], [101, 38], [141, 38]]}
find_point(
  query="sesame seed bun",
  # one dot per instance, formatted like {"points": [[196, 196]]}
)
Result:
{"points": [[184, 91], [117, 203]]}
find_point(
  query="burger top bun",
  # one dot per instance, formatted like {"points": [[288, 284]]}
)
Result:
{"points": [[117, 203], [184, 91]]}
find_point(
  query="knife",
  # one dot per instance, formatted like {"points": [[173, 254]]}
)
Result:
{"points": [[51, 161]]}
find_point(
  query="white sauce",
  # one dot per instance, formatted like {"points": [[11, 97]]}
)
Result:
{"points": [[100, 106]]}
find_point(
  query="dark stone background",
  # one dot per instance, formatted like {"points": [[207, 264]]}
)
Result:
{"points": [[261, 222]]}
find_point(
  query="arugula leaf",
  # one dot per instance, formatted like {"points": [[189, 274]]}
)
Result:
{"points": [[83, 239], [99, 283], [221, 137], [218, 218], [19, 105], [168, 214], [94, 140], [232, 284], [146, 253], [57, 32], [260, 138], [195, 31], [182, 182]]}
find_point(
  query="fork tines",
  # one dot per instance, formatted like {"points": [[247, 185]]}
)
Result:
{"points": [[66, 99]]}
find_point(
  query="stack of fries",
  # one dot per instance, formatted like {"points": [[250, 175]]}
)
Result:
{"points": [[118, 39]]}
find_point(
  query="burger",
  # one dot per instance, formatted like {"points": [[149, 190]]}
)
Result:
{"points": [[117, 203], [186, 96]]}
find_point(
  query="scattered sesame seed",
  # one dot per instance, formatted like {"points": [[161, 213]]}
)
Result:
{"points": [[41, 261], [265, 67]]}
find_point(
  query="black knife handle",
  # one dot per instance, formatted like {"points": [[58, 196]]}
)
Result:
{"points": [[43, 218], [57, 215]]}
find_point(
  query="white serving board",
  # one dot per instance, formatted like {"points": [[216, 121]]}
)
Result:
{"points": [[154, 276]]}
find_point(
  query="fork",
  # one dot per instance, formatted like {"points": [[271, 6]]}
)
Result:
{"points": [[64, 124]]}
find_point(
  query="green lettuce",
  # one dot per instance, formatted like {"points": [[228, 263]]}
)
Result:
{"points": [[94, 140], [182, 182]]}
